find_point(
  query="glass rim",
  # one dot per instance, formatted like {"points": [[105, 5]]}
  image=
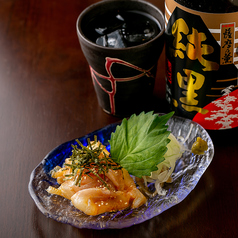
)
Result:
{"points": [[160, 20]]}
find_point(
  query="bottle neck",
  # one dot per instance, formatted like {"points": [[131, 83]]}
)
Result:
{"points": [[211, 6], [234, 2]]}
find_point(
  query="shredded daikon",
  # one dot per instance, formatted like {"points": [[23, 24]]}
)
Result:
{"points": [[183, 140], [166, 168]]}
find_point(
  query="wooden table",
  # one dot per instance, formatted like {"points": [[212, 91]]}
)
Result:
{"points": [[47, 98]]}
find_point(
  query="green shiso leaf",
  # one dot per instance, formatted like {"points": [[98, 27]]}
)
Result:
{"points": [[139, 143]]}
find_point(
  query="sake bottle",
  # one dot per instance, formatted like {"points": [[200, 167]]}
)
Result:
{"points": [[202, 61]]}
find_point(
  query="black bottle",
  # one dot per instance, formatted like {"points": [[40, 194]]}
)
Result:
{"points": [[202, 61]]}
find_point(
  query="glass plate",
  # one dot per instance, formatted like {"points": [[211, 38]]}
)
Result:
{"points": [[186, 175]]}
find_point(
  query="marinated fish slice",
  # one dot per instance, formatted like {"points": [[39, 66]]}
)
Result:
{"points": [[53, 190], [94, 201], [116, 177], [128, 181], [137, 198], [68, 188], [60, 173]]}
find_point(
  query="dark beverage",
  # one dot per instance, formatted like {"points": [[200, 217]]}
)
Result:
{"points": [[122, 29], [122, 41], [202, 61]]}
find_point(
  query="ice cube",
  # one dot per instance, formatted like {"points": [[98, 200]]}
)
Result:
{"points": [[110, 24], [141, 33], [113, 40], [119, 17], [101, 30], [102, 41]]}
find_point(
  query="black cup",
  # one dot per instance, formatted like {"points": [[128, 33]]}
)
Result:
{"points": [[123, 77]]}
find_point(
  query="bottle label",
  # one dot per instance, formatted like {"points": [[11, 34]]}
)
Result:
{"points": [[202, 61]]}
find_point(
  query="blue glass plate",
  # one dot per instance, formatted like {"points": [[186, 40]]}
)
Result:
{"points": [[186, 175]]}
